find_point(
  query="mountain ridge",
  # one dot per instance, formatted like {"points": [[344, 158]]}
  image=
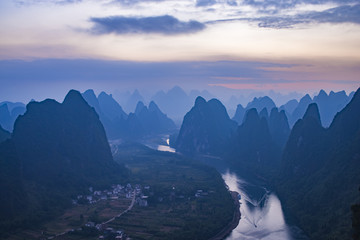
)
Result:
{"points": [[57, 150], [324, 162]]}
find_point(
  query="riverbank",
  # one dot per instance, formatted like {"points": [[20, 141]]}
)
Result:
{"points": [[186, 199], [234, 222]]}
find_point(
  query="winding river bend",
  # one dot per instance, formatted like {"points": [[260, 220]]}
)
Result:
{"points": [[262, 216], [261, 212]]}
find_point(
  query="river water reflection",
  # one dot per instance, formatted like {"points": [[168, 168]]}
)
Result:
{"points": [[262, 217], [261, 213]]}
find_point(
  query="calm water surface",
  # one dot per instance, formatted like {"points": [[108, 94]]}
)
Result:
{"points": [[261, 213], [166, 147], [262, 217]]}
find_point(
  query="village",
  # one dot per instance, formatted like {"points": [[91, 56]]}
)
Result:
{"points": [[102, 230], [117, 191]]}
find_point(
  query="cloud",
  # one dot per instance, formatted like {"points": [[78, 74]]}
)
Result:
{"points": [[279, 22], [134, 2], [232, 3], [167, 25], [33, 2], [285, 4], [342, 14], [205, 3]]}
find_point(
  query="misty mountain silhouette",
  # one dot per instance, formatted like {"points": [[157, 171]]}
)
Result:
{"points": [[263, 105], [206, 128], [321, 171], [300, 110], [175, 103], [118, 124], [67, 137], [58, 149], [152, 120], [239, 114], [252, 146], [205, 94], [133, 100], [110, 112], [260, 103], [279, 127], [306, 140], [3, 134], [259, 140], [328, 106], [289, 107], [139, 107], [92, 100], [264, 114], [5, 117], [9, 111]]}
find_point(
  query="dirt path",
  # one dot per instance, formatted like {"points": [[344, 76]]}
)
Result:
{"points": [[128, 209], [106, 222]]}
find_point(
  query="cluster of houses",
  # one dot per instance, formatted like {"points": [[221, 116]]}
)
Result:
{"points": [[200, 193], [107, 232], [117, 191], [100, 230], [110, 233]]}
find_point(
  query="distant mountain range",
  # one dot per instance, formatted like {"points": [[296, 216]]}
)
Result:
{"points": [[309, 150], [328, 106], [9, 111], [57, 150], [144, 121], [277, 123], [315, 169], [321, 171], [153, 119], [207, 129], [176, 102]]}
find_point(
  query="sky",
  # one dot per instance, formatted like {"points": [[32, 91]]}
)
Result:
{"points": [[50, 46]]}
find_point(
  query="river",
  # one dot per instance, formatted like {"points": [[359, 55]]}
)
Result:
{"points": [[262, 216]]}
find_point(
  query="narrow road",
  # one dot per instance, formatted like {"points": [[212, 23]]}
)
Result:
{"points": [[108, 221], [128, 209]]}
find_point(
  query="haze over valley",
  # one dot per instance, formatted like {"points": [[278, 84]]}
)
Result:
{"points": [[55, 152]]}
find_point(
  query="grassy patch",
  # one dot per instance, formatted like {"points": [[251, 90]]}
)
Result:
{"points": [[76, 217], [174, 212]]}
